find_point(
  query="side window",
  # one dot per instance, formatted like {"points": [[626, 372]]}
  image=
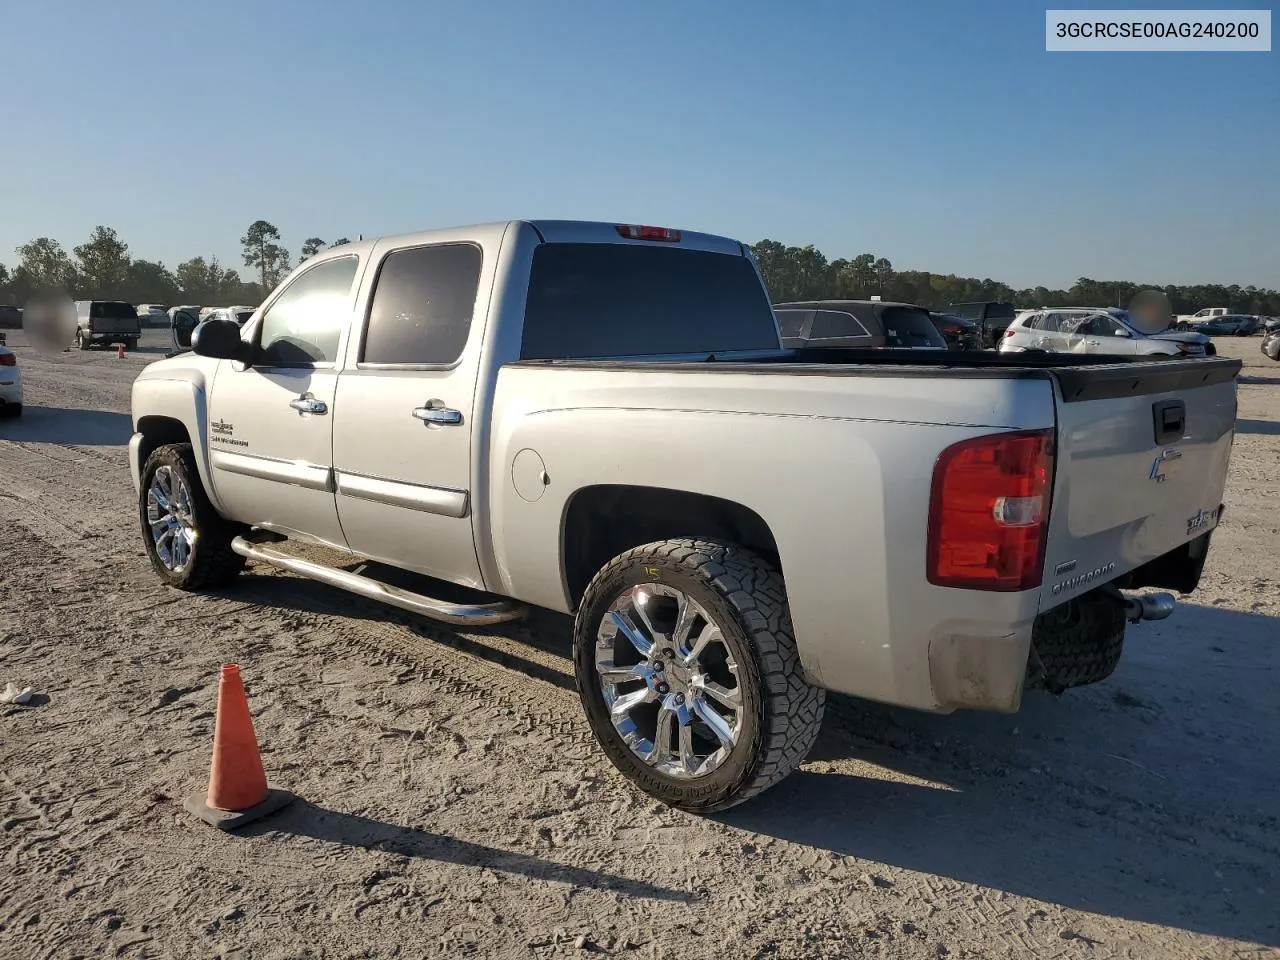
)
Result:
{"points": [[423, 301], [304, 324], [791, 322], [832, 324]]}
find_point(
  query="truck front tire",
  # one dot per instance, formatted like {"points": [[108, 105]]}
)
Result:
{"points": [[689, 673], [187, 541]]}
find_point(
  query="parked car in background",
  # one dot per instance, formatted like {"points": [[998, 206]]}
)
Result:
{"points": [[992, 317], [104, 322], [153, 314], [1270, 323], [1184, 321], [960, 334], [10, 317], [240, 315], [857, 324], [1100, 331], [1229, 325], [10, 384], [1271, 344], [182, 321]]}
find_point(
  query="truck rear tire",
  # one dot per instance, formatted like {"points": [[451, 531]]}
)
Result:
{"points": [[188, 542], [688, 670]]}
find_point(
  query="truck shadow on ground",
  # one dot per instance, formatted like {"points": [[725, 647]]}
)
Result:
{"points": [[1121, 799], [304, 819], [1266, 428], [99, 428]]}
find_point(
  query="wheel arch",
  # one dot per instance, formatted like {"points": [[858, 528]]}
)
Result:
{"points": [[605, 520]]}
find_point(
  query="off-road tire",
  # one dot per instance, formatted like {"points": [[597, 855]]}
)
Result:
{"points": [[1077, 643], [131, 344], [747, 598], [212, 563]]}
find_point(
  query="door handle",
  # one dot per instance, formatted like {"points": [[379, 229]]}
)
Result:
{"points": [[308, 404], [1091, 343], [435, 414]]}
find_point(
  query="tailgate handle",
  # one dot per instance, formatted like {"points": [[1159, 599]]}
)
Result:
{"points": [[1170, 420]]}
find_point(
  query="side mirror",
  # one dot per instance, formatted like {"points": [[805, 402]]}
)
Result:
{"points": [[1122, 332], [219, 338]]}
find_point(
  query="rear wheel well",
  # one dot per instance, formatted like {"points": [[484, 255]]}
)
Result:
{"points": [[607, 520], [158, 431]]}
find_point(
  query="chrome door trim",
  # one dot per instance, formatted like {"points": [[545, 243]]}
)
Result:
{"points": [[443, 501], [291, 472]]}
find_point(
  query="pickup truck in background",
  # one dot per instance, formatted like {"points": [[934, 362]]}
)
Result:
{"points": [[600, 420], [1185, 320], [105, 322]]}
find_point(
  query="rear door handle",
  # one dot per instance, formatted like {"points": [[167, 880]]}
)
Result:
{"points": [[309, 404], [435, 413]]}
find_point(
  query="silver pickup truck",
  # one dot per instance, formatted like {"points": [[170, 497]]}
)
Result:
{"points": [[600, 420]]}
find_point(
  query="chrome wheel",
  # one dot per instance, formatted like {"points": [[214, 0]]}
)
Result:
{"points": [[169, 517], [669, 681]]}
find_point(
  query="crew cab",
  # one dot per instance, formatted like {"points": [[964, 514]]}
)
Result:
{"points": [[600, 419]]}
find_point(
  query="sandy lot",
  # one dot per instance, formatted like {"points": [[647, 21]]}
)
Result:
{"points": [[452, 802]]}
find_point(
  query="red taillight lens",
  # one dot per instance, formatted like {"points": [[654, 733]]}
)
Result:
{"points": [[636, 232], [1010, 332], [8, 360], [988, 512]]}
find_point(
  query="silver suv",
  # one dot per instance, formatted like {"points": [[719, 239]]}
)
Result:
{"points": [[1093, 330]]}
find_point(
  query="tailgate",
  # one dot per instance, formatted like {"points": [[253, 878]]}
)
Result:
{"points": [[1141, 465]]}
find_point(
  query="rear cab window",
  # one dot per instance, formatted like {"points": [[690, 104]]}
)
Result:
{"points": [[595, 300], [112, 310]]}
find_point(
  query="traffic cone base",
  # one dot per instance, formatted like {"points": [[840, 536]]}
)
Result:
{"points": [[197, 805], [238, 792]]}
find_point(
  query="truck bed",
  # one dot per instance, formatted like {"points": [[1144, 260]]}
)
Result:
{"points": [[1102, 377]]}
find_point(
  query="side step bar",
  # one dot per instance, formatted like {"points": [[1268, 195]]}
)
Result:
{"points": [[460, 614]]}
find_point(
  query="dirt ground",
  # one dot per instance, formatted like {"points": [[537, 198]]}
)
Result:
{"points": [[452, 802]]}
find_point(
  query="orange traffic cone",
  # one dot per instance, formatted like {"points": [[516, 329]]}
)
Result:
{"points": [[119, 351], [238, 791]]}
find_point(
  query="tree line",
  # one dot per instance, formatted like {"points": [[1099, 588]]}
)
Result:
{"points": [[102, 268], [805, 273]]}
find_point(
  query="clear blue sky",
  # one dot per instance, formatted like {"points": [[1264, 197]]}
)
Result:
{"points": [[940, 135]]}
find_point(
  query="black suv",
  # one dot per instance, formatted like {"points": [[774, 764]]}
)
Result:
{"points": [[992, 317]]}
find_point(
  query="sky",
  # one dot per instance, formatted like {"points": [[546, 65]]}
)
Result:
{"points": [[938, 134]]}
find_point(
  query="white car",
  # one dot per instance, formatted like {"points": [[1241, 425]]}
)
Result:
{"points": [[240, 315], [1092, 330], [10, 384]]}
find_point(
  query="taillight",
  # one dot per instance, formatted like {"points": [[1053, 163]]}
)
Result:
{"points": [[1009, 332], [989, 510], [8, 360], [636, 232]]}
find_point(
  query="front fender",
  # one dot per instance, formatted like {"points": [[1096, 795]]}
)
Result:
{"points": [[184, 401]]}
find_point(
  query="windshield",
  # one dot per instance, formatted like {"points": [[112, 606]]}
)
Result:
{"points": [[617, 300]]}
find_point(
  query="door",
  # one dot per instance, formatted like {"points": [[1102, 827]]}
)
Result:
{"points": [[1104, 334], [405, 410], [270, 425]]}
